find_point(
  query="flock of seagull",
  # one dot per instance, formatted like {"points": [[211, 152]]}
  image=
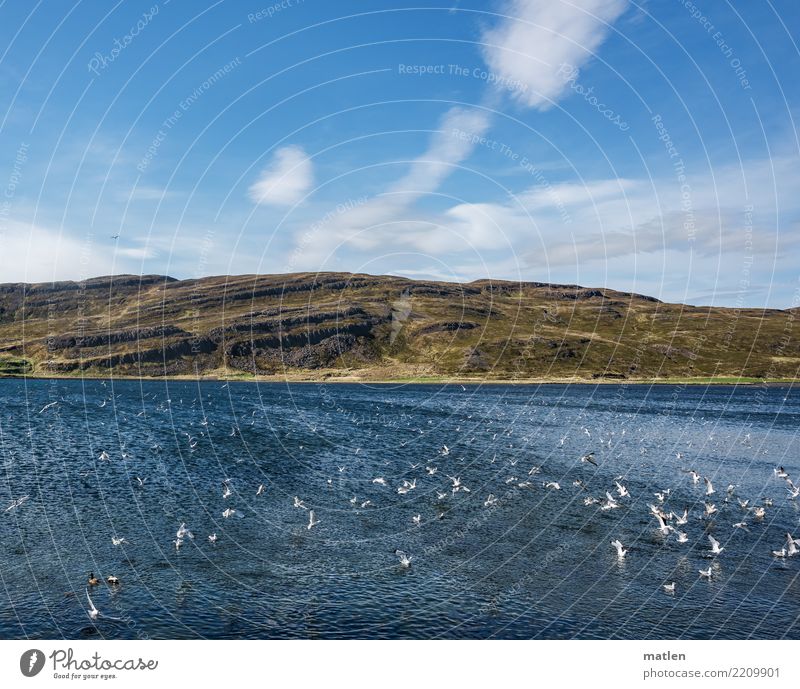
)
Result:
{"points": [[671, 521]]}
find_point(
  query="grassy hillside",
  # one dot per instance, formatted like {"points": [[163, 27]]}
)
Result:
{"points": [[341, 324]]}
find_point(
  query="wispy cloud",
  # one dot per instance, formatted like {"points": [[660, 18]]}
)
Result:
{"points": [[539, 35], [286, 180]]}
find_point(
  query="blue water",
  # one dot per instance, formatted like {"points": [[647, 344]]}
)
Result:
{"points": [[537, 564]]}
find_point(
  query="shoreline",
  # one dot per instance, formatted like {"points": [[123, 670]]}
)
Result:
{"points": [[356, 379]]}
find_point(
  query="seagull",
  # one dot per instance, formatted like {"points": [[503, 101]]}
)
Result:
{"points": [[791, 550], [444, 451], [431, 470], [622, 490], [715, 549], [118, 541], [261, 489], [299, 503], [779, 553], [104, 456], [47, 406], [710, 509], [709, 487], [535, 470], [114, 581], [705, 573], [669, 588], [695, 476], [663, 527], [94, 613], [552, 484], [16, 503], [226, 491], [680, 520], [141, 481], [621, 551], [417, 519], [366, 503], [743, 503], [230, 512], [759, 512], [312, 520], [610, 503], [741, 525], [491, 500], [440, 495], [380, 481], [589, 458], [405, 560], [212, 538], [682, 537], [183, 532]]}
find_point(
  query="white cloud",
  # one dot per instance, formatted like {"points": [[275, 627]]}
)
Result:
{"points": [[366, 224], [286, 180], [539, 36]]}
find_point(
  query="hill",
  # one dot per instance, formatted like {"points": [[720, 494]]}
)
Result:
{"points": [[328, 325]]}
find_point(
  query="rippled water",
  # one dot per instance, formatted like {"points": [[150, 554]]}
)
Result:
{"points": [[536, 564]]}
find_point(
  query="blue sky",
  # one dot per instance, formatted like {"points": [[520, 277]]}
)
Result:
{"points": [[645, 146]]}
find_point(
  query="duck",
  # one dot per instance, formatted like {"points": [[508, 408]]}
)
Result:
{"points": [[114, 581], [93, 580]]}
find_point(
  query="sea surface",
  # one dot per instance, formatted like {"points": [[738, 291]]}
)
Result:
{"points": [[528, 562]]}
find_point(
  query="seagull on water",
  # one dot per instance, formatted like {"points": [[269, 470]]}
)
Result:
{"points": [[705, 573], [417, 519], [709, 488], [405, 560], [94, 613], [118, 541], [380, 481], [212, 538], [621, 551], [669, 588]]}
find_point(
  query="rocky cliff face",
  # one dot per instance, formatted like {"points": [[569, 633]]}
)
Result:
{"points": [[379, 327]]}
